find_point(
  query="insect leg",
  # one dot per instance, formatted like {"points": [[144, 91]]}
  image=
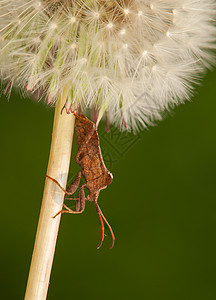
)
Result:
{"points": [[82, 197], [77, 207], [68, 210], [72, 187], [70, 191], [80, 204]]}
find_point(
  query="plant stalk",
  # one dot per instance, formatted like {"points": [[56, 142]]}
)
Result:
{"points": [[47, 231]]}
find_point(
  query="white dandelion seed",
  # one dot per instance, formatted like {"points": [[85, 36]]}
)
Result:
{"points": [[150, 52]]}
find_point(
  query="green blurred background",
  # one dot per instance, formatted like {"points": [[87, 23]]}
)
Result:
{"points": [[161, 206]]}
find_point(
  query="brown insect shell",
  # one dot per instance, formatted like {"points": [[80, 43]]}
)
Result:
{"points": [[94, 171]]}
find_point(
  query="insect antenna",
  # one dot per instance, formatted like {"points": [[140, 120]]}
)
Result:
{"points": [[110, 228], [102, 227], [102, 217]]}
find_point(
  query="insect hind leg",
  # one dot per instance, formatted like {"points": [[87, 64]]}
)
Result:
{"points": [[67, 210], [80, 204]]}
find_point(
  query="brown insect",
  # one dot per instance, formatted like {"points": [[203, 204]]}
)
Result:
{"points": [[93, 169]]}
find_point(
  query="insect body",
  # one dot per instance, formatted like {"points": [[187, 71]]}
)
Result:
{"points": [[93, 169]]}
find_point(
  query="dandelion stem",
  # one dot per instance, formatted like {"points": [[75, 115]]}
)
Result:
{"points": [[47, 231]]}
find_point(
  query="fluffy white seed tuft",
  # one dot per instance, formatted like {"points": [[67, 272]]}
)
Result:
{"points": [[130, 59]]}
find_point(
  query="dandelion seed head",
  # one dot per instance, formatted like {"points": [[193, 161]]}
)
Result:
{"points": [[130, 59]]}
